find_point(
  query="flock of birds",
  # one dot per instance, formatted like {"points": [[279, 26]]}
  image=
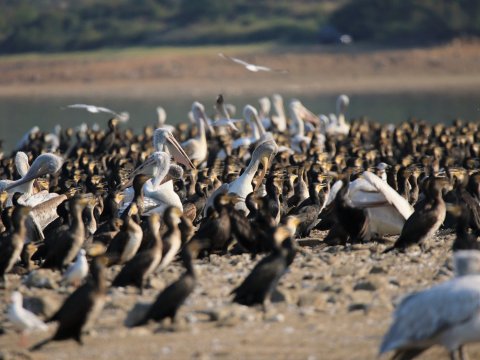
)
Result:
{"points": [[92, 199]]}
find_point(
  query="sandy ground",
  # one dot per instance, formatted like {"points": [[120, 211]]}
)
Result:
{"points": [[195, 71], [334, 303]]}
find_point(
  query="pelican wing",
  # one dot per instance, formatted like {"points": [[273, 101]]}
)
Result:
{"points": [[194, 148], [45, 212], [333, 192], [390, 194], [426, 314]]}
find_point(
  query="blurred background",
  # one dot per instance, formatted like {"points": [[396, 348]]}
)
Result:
{"points": [[394, 58]]}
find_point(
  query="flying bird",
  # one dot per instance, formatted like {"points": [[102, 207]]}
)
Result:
{"points": [[252, 67], [123, 116]]}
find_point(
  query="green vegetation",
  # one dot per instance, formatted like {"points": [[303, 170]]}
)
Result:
{"points": [[70, 25], [407, 21]]}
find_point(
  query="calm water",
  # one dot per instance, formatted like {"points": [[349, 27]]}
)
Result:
{"points": [[18, 115]]}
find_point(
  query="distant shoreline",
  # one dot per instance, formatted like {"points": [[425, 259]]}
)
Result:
{"points": [[168, 72]]}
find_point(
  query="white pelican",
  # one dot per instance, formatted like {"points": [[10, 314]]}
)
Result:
{"points": [[164, 137], [447, 314], [162, 118], [385, 209], [278, 117], [45, 164], [242, 186], [338, 124], [298, 138], [23, 320], [265, 107], [157, 195], [196, 148], [258, 131], [22, 166], [251, 67]]}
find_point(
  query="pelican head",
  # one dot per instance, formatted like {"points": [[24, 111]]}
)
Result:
{"points": [[163, 136], [342, 103], [21, 163], [249, 111], [162, 116], [198, 110], [265, 105], [43, 165], [277, 99], [264, 152]]}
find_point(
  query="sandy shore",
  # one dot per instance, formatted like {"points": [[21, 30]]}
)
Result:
{"points": [[196, 71], [332, 304]]}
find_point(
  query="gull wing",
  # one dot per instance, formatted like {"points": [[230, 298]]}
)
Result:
{"points": [[235, 60]]}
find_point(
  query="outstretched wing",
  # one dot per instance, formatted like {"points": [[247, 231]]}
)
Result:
{"points": [[235, 60]]}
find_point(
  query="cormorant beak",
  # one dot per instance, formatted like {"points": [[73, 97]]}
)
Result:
{"points": [[454, 209], [265, 162], [133, 209], [119, 197], [177, 212], [83, 201], [96, 249], [281, 233], [295, 220]]}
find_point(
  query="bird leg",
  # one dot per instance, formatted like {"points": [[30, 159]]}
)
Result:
{"points": [[266, 305], [462, 354], [22, 340]]}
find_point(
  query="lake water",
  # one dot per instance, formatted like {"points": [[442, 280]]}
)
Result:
{"points": [[19, 114]]}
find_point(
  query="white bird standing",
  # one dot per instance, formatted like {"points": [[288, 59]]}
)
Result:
{"points": [[298, 139], [77, 271], [162, 118], [338, 124], [447, 314], [196, 148], [385, 209], [242, 186], [157, 195], [258, 131], [123, 116], [23, 320], [278, 117], [251, 67]]}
